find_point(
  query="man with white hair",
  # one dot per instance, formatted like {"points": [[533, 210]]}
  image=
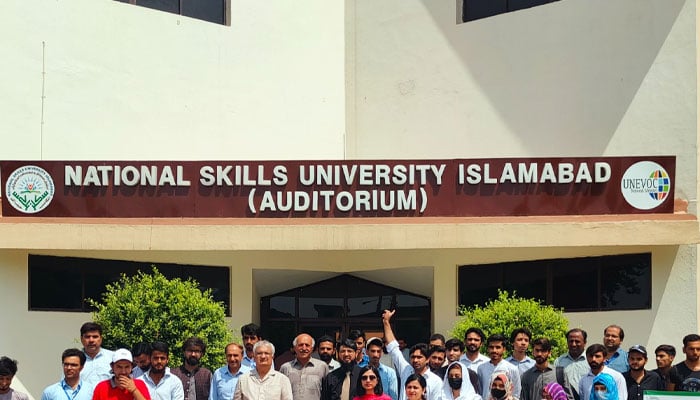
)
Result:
{"points": [[305, 373], [263, 381]]}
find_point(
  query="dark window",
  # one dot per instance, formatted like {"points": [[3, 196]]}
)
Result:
{"points": [[207, 10], [621, 282], [63, 283], [477, 9]]}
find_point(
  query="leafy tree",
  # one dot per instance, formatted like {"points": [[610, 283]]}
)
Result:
{"points": [[149, 307], [508, 313]]}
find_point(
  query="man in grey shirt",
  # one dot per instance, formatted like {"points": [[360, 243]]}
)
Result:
{"points": [[305, 373]]}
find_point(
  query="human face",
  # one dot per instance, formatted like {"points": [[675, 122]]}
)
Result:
{"points": [[546, 395], [455, 373], [472, 342], [521, 343], [360, 342], [436, 360], [326, 351], [249, 341], [636, 360], [5, 381], [71, 367], [418, 361], [346, 354], [121, 368], [192, 355], [402, 344], [369, 381], [692, 351], [414, 391], [496, 350], [143, 361], [375, 353], [436, 342], [453, 354], [576, 344], [663, 359], [159, 361], [304, 347], [541, 356], [498, 384], [611, 339], [92, 342], [595, 361], [263, 357], [599, 387], [234, 356]]}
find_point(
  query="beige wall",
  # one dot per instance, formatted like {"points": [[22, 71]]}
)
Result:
{"points": [[672, 314]]}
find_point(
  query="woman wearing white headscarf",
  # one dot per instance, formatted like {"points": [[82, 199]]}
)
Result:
{"points": [[456, 384]]}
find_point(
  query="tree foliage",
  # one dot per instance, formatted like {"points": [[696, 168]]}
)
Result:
{"points": [[508, 312], [150, 307]]}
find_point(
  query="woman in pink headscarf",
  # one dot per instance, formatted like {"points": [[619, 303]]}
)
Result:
{"points": [[501, 388]]}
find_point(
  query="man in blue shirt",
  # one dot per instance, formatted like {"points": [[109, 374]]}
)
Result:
{"points": [[224, 379], [616, 359], [387, 375], [161, 383], [70, 387], [98, 361]]}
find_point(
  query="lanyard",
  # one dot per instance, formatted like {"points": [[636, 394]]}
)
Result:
{"points": [[75, 393]]}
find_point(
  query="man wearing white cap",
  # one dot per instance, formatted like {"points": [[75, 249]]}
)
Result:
{"points": [[121, 386]]}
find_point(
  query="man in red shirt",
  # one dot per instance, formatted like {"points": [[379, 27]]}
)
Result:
{"points": [[121, 386]]}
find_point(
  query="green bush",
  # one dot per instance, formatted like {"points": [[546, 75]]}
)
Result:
{"points": [[508, 313], [149, 307]]}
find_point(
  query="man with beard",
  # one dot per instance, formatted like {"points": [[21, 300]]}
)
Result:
{"points": [[454, 349], [162, 384], [73, 361], [196, 380], [473, 339], [142, 358], [595, 355], [304, 373], [387, 375], [574, 362], [251, 334], [224, 379], [436, 360], [326, 351], [537, 377], [340, 384], [121, 386], [685, 376], [638, 380], [496, 345], [419, 361]]}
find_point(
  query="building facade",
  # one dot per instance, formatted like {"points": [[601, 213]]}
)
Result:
{"points": [[350, 80]]}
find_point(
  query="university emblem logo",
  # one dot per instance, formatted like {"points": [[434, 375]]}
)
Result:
{"points": [[29, 189]]}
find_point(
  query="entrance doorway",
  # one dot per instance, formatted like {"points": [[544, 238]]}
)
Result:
{"points": [[337, 305]]}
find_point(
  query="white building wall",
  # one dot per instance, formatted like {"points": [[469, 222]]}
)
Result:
{"points": [[318, 79], [127, 82]]}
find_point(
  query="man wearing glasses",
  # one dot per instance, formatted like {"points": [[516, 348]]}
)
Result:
{"points": [[71, 385], [196, 380]]}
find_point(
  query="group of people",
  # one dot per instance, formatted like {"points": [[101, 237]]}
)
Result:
{"points": [[358, 368]]}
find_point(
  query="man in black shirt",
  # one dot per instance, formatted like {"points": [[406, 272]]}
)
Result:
{"points": [[637, 378], [340, 383], [685, 376]]}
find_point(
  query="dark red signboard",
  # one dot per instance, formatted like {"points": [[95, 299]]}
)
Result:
{"points": [[377, 188]]}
